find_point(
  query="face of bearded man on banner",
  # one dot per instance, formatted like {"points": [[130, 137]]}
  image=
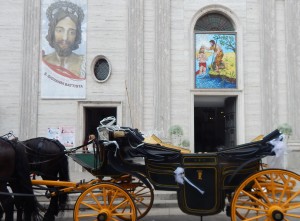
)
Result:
{"points": [[64, 37]]}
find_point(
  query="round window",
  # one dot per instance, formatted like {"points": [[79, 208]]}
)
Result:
{"points": [[102, 69]]}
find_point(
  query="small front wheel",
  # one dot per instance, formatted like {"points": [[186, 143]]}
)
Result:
{"points": [[104, 202]]}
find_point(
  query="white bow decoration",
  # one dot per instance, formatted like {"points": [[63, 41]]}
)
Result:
{"points": [[279, 148], [180, 178], [279, 145]]}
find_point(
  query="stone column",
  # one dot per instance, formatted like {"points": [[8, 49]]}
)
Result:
{"points": [[135, 79], [269, 75], [162, 75], [292, 11], [30, 70]]}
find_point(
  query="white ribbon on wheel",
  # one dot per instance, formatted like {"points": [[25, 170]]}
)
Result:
{"points": [[180, 178]]}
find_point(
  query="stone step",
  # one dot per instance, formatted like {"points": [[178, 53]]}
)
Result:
{"points": [[162, 199]]}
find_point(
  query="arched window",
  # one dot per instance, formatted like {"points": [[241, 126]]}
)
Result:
{"points": [[214, 22], [215, 52]]}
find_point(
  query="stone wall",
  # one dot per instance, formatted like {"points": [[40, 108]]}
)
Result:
{"points": [[150, 45], [11, 59]]}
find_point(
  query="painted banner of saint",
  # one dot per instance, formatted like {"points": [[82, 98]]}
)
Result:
{"points": [[63, 49], [215, 60]]}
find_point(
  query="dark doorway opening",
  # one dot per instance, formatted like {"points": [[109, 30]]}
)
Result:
{"points": [[214, 123], [93, 116], [209, 128]]}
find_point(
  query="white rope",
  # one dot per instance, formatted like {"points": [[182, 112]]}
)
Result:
{"points": [[180, 178], [134, 147], [111, 120], [108, 123]]}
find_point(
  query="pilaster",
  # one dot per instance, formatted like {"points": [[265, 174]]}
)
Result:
{"points": [[293, 65], [30, 70], [135, 80], [162, 75], [269, 75]]}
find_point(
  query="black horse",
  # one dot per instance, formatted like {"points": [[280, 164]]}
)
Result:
{"points": [[47, 159], [14, 171]]}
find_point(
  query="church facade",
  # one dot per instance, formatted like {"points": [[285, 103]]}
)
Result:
{"points": [[222, 71]]}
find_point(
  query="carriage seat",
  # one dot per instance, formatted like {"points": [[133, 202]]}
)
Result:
{"points": [[155, 140]]}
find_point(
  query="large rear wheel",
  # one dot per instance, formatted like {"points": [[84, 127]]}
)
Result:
{"points": [[104, 202], [269, 195], [141, 193]]}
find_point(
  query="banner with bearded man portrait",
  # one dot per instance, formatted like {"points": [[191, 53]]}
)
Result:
{"points": [[63, 49]]}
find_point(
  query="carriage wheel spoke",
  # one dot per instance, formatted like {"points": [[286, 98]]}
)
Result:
{"points": [[255, 217], [254, 198], [113, 198], [96, 200], [90, 206], [292, 215], [261, 190]]}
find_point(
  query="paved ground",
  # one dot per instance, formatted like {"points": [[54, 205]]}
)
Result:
{"points": [[177, 216]]}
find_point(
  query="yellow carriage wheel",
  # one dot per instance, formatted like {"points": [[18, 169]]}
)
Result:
{"points": [[142, 195], [269, 195], [104, 202]]}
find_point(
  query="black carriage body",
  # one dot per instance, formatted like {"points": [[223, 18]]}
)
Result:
{"points": [[161, 174], [210, 172], [215, 176]]}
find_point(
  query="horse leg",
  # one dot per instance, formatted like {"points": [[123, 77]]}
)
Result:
{"points": [[18, 200], [24, 208], [23, 212], [28, 210], [22, 174], [1, 212], [7, 203], [8, 207], [20, 210]]}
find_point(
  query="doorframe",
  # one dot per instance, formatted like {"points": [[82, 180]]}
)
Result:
{"points": [[80, 129], [240, 118]]}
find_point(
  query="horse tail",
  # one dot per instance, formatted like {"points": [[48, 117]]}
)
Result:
{"points": [[63, 176], [63, 162], [36, 214]]}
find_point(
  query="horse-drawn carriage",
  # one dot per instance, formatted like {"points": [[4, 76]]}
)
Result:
{"points": [[127, 167]]}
